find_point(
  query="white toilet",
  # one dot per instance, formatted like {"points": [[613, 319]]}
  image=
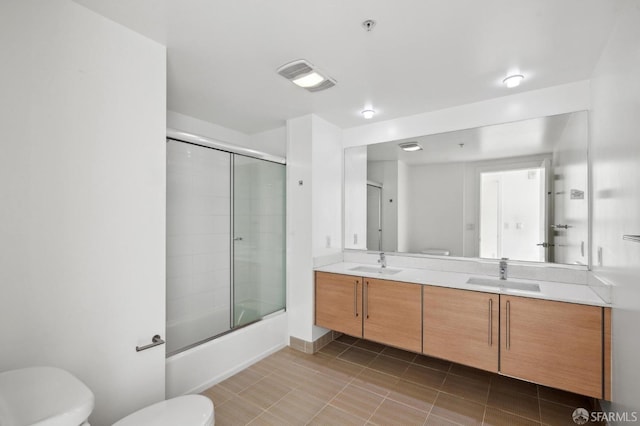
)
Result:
{"points": [[48, 396]]}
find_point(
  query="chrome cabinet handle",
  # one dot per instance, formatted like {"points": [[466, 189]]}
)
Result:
{"points": [[490, 322], [508, 331], [155, 341], [355, 298]]}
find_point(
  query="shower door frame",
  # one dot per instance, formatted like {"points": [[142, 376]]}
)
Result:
{"points": [[190, 138]]}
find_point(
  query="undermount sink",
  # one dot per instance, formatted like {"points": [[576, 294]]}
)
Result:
{"points": [[375, 270], [505, 284]]}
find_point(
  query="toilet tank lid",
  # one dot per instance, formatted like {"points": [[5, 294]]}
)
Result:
{"points": [[43, 395], [187, 410]]}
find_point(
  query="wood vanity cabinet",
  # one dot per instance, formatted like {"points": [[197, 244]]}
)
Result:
{"points": [[387, 312], [555, 344], [461, 326], [393, 313], [552, 343], [339, 303]]}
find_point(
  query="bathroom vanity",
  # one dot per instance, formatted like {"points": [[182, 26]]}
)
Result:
{"points": [[548, 333]]}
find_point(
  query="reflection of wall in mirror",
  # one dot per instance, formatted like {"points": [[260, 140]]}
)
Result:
{"points": [[355, 195], [570, 172], [435, 198]]}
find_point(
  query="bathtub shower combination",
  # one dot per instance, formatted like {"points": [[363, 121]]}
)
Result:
{"points": [[225, 241]]}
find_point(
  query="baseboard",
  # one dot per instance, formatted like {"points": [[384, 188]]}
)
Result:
{"points": [[313, 347]]}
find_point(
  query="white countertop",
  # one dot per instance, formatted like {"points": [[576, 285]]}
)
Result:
{"points": [[561, 292]]}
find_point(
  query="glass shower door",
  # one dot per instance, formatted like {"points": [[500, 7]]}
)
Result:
{"points": [[198, 249], [258, 239]]}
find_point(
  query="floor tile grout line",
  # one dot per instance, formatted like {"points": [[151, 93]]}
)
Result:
{"points": [[516, 415], [484, 413], [328, 403], [539, 403], [390, 398], [374, 411]]}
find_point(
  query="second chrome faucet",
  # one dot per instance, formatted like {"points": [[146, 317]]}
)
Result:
{"points": [[383, 260], [503, 268]]}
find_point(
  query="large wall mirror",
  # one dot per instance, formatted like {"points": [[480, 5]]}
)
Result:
{"points": [[516, 190]]}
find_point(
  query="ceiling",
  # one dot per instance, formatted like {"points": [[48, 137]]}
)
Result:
{"points": [[423, 55], [516, 139]]}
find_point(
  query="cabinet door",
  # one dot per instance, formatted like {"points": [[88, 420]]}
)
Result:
{"points": [[461, 326], [556, 344], [339, 303], [393, 313]]}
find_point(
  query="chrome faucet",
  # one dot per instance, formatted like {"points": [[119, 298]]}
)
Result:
{"points": [[503, 268], [383, 260]]}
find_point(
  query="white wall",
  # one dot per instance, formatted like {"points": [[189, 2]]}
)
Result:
{"points": [[355, 198], [536, 103], [570, 172], [270, 141], [436, 196], [404, 208], [314, 212], [615, 156], [327, 168], [299, 235], [82, 188]]}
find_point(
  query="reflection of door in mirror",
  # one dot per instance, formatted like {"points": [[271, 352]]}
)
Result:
{"points": [[374, 217], [512, 214]]}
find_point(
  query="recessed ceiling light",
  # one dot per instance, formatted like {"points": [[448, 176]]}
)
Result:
{"points": [[513, 80], [368, 113], [410, 146], [305, 75]]}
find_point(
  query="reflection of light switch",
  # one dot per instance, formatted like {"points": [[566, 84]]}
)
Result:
{"points": [[599, 256], [519, 225], [576, 194], [355, 238], [328, 241], [470, 226], [506, 225]]}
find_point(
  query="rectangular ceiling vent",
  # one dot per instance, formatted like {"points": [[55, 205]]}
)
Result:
{"points": [[327, 84], [305, 75], [295, 69]]}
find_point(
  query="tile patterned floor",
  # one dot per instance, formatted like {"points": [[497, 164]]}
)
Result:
{"points": [[357, 382]]}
